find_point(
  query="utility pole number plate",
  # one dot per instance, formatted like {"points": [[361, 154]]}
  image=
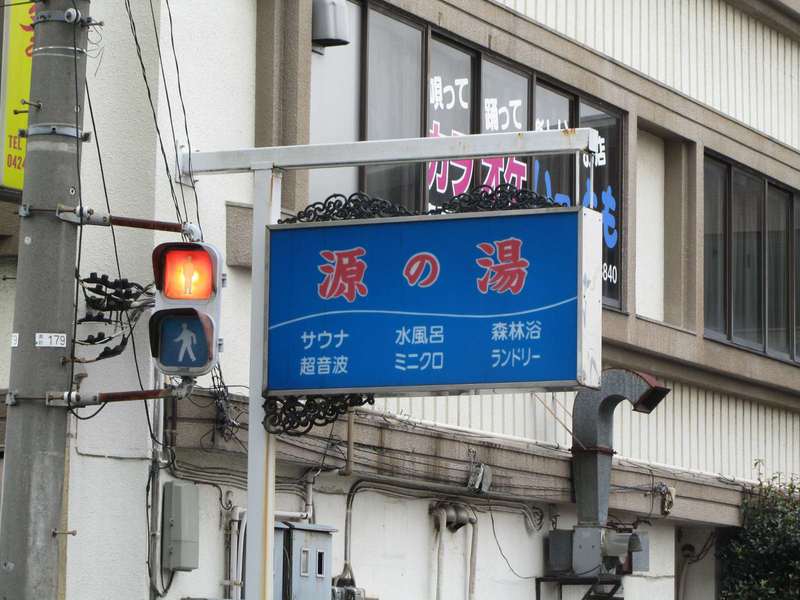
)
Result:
{"points": [[51, 340]]}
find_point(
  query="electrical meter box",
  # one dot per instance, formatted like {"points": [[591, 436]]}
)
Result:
{"points": [[180, 528], [307, 561]]}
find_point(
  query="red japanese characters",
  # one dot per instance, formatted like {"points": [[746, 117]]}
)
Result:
{"points": [[422, 263], [344, 274], [508, 274], [505, 270]]}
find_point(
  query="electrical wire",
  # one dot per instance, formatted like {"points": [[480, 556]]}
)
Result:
{"points": [[79, 192], [132, 24], [20, 3], [311, 443], [167, 98], [103, 179], [185, 122], [500, 549], [705, 549]]}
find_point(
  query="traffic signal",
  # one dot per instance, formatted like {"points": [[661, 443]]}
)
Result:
{"points": [[184, 327]]}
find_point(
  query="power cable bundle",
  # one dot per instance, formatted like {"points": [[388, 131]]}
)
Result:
{"points": [[107, 302]]}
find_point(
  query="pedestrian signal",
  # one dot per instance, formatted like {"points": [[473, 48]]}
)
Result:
{"points": [[188, 274], [184, 327]]}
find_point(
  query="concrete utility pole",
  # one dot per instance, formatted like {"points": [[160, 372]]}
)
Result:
{"points": [[36, 435]]}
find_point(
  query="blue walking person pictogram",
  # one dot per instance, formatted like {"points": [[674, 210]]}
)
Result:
{"points": [[187, 340]]}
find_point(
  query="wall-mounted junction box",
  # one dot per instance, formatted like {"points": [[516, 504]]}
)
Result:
{"points": [[180, 528]]}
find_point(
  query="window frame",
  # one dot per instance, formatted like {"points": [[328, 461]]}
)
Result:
{"points": [[794, 281], [363, 131], [480, 54], [793, 290]]}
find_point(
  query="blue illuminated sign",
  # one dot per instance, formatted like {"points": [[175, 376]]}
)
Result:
{"points": [[464, 302], [183, 342]]}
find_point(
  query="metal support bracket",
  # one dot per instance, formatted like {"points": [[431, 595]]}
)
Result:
{"points": [[88, 216], [69, 16], [11, 397], [68, 214], [59, 399], [24, 210], [56, 129], [72, 532]]}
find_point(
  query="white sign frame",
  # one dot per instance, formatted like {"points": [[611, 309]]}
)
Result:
{"points": [[267, 166]]}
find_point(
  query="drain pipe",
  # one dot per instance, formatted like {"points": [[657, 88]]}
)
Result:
{"points": [[233, 556], [348, 467], [308, 510], [592, 450], [473, 557], [441, 520], [240, 557]]}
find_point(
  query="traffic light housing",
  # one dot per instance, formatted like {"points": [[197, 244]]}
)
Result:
{"points": [[184, 326]]}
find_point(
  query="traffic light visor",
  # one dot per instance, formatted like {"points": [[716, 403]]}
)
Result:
{"points": [[188, 274]]}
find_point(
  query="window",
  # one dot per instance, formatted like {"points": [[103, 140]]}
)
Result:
{"points": [[504, 104], [410, 66], [553, 175], [747, 264], [715, 201], [796, 288], [449, 113], [750, 285], [394, 67], [779, 211], [606, 194]]}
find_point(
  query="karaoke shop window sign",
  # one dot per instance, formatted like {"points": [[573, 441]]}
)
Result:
{"points": [[439, 304]]}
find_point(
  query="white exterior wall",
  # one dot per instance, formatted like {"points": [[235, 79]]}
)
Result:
{"points": [[8, 268], [705, 49], [335, 106], [109, 455], [393, 543], [649, 200]]}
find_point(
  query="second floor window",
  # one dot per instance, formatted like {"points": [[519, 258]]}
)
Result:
{"points": [[751, 256], [418, 81]]}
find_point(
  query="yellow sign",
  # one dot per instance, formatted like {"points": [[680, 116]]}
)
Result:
{"points": [[16, 82]]}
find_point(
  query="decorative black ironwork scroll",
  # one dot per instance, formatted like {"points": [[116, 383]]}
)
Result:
{"points": [[296, 415]]}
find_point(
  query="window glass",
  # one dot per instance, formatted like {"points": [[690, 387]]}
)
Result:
{"points": [[552, 176], [748, 258], [778, 230], [797, 278], [715, 201], [449, 113], [504, 105], [394, 70], [606, 196]]}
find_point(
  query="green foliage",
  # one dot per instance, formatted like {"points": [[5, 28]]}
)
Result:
{"points": [[762, 559]]}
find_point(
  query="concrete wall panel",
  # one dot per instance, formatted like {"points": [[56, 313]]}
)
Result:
{"points": [[709, 50], [692, 429]]}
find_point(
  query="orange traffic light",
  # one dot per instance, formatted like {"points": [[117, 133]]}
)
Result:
{"points": [[188, 275], [184, 326]]}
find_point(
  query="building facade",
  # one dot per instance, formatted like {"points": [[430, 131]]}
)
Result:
{"points": [[698, 183]]}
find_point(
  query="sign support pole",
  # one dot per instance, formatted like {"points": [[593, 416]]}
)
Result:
{"points": [[261, 457]]}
